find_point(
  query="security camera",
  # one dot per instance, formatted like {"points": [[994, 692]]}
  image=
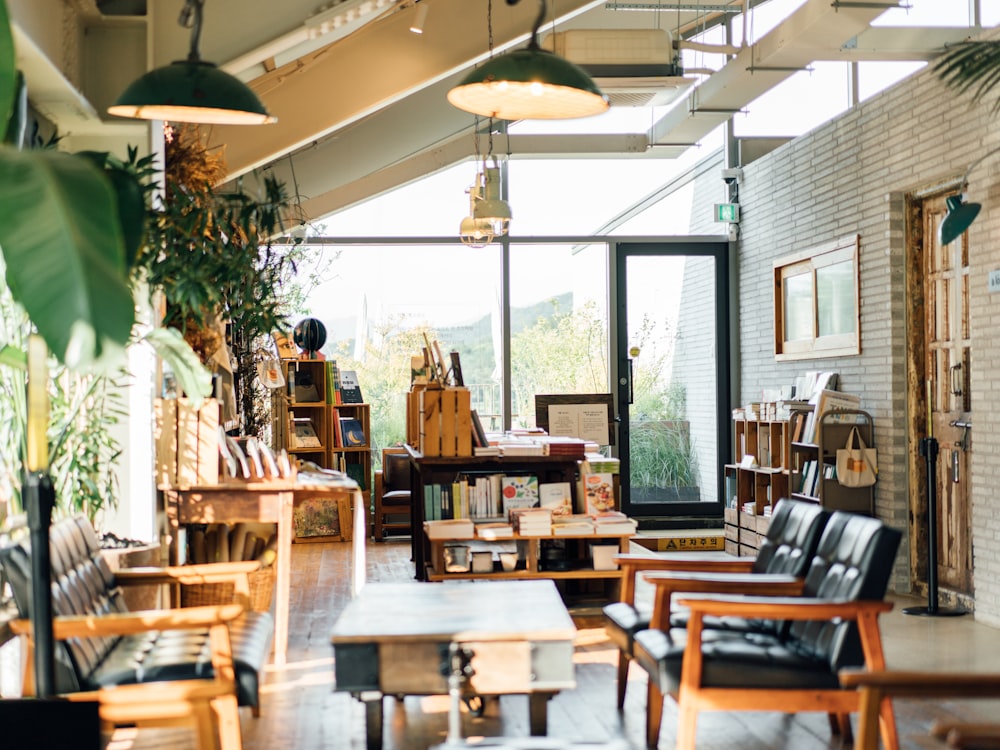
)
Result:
{"points": [[734, 232], [732, 175]]}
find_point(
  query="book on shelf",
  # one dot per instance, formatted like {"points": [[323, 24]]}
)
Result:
{"points": [[353, 435], [614, 522], [598, 492], [356, 471], [304, 433], [494, 530], [518, 492], [333, 395], [531, 521], [350, 388], [450, 528], [572, 525], [479, 439], [557, 496]]}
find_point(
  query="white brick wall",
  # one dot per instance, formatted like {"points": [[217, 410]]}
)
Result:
{"points": [[851, 176]]}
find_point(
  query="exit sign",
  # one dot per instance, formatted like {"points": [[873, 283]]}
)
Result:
{"points": [[727, 212]]}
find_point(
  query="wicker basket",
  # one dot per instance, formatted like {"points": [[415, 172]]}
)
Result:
{"points": [[202, 594]]}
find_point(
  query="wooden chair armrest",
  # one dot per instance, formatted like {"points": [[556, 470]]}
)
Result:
{"points": [[188, 574], [90, 626], [785, 608], [922, 684], [760, 584], [631, 564], [688, 561]]}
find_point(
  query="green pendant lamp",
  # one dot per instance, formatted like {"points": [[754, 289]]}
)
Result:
{"points": [[191, 90], [529, 84], [959, 218]]}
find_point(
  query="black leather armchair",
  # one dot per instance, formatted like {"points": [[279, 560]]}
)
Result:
{"points": [[392, 498], [101, 644], [784, 556], [791, 664]]}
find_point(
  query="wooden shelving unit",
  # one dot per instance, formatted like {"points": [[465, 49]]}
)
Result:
{"points": [[753, 485], [529, 553], [290, 404]]}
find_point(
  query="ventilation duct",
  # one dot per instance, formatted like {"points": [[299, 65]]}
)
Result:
{"points": [[634, 67]]}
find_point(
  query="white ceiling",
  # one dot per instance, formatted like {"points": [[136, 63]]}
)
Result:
{"points": [[361, 108]]}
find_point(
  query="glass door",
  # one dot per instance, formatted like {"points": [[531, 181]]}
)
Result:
{"points": [[673, 377]]}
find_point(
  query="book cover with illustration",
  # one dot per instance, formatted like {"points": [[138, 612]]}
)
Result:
{"points": [[598, 493], [519, 492], [353, 434]]}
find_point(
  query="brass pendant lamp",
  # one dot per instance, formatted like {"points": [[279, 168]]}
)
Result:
{"points": [[191, 90], [529, 84]]}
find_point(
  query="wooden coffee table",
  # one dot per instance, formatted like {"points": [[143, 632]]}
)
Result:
{"points": [[393, 638]]}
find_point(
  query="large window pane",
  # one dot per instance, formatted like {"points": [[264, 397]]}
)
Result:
{"points": [[835, 298], [798, 307], [377, 303], [559, 323]]}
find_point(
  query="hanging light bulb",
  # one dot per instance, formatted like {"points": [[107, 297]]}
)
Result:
{"points": [[476, 232], [492, 208]]}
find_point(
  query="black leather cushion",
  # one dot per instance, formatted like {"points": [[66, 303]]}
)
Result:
{"points": [[792, 537], [83, 584], [852, 562], [395, 472], [396, 498]]}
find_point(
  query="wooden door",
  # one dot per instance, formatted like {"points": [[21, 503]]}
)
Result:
{"points": [[948, 349]]}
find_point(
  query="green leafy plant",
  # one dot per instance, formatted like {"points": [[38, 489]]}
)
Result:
{"points": [[972, 67]]}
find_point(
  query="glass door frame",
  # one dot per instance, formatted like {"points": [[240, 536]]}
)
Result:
{"points": [[723, 252]]}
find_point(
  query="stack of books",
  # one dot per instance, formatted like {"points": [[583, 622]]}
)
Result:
{"points": [[451, 528], [572, 525], [494, 530], [616, 523], [563, 446], [532, 521]]}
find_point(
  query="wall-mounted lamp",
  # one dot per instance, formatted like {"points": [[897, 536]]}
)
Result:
{"points": [[419, 18], [191, 90], [960, 214], [529, 84]]}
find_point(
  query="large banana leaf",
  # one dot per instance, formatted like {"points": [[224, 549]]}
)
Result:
{"points": [[62, 244], [8, 69], [61, 241]]}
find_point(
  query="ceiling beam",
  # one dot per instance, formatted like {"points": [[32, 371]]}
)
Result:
{"points": [[814, 28], [381, 63]]}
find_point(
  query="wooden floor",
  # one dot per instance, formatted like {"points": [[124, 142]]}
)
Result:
{"points": [[301, 711]]}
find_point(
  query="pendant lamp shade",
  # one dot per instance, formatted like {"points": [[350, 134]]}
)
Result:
{"points": [[191, 90], [959, 218], [529, 84]]}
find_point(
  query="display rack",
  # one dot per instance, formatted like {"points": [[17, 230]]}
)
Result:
{"points": [[813, 464]]}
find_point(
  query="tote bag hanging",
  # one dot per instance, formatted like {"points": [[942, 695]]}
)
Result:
{"points": [[856, 463]]}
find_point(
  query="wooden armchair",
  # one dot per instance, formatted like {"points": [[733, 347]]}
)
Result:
{"points": [[790, 661], [392, 498], [777, 570], [877, 688]]}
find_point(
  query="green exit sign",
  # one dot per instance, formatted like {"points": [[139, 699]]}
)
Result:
{"points": [[727, 212]]}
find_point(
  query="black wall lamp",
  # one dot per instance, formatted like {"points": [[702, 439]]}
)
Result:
{"points": [[529, 84], [191, 90]]}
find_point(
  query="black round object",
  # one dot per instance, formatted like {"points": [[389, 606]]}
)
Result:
{"points": [[309, 335]]}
